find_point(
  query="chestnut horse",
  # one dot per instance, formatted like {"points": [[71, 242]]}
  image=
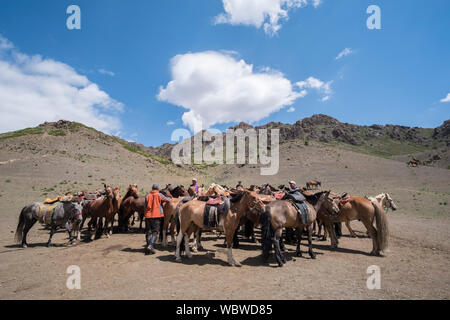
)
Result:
{"points": [[357, 208], [131, 203], [282, 214], [385, 200], [191, 214], [313, 184], [98, 209]]}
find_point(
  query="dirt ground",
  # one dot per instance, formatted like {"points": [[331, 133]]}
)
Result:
{"points": [[417, 266]]}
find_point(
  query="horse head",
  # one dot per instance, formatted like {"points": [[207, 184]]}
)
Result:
{"points": [[331, 204], [389, 202]]}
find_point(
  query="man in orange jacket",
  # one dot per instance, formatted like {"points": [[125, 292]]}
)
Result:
{"points": [[153, 215]]}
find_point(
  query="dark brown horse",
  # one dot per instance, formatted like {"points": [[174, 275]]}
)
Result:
{"points": [[282, 214], [98, 209], [131, 203]]}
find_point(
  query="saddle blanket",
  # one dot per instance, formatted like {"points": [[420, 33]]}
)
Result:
{"points": [[46, 213], [213, 212], [303, 211]]}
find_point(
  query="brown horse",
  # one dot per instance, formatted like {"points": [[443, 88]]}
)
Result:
{"points": [[282, 214], [109, 218], [357, 208], [191, 214], [131, 203], [313, 184], [169, 209], [98, 209]]}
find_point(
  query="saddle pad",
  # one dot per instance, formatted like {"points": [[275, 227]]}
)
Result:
{"points": [[187, 198], [46, 213], [303, 211], [279, 195], [210, 216], [214, 201]]}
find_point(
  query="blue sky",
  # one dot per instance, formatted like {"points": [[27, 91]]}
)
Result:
{"points": [[396, 75]]}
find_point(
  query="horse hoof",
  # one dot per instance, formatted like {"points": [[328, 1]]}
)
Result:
{"points": [[298, 254], [178, 259], [313, 256], [24, 245], [190, 256]]}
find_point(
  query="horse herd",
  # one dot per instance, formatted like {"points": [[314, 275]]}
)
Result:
{"points": [[265, 207]]}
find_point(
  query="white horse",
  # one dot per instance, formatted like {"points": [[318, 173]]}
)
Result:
{"points": [[385, 200]]}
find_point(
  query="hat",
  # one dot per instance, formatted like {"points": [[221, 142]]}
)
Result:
{"points": [[292, 182], [155, 187], [194, 179]]}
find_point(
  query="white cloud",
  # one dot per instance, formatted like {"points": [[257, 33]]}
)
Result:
{"points": [[216, 88], [344, 53], [259, 13], [318, 85], [447, 98], [107, 72], [317, 3], [170, 123], [291, 109], [34, 90]]}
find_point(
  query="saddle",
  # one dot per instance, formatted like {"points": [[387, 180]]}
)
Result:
{"points": [[214, 208], [279, 195], [46, 213], [298, 201]]}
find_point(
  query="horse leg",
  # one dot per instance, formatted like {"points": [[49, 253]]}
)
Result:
{"points": [[186, 245], [229, 235], [276, 243], [352, 233], [310, 249], [164, 232], [373, 234], [172, 227], [177, 251], [69, 230], [27, 228], [52, 231], [332, 233], [298, 251], [141, 218], [198, 240]]}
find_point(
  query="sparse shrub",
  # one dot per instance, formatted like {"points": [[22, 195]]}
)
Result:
{"points": [[57, 132], [7, 181]]}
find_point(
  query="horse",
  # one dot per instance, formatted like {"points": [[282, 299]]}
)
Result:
{"points": [[282, 214], [109, 218], [178, 191], [191, 214], [128, 207], [313, 183], [357, 208], [62, 215], [98, 209], [385, 200]]}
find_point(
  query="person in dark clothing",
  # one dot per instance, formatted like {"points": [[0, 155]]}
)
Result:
{"points": [[153, 215]]}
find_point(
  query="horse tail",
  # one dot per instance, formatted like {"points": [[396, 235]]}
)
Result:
{"points": [[266, 233], [20, 226], [178, 219], [382, 227]]}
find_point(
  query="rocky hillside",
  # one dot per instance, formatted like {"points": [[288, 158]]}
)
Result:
{"points": [[389, 141]]}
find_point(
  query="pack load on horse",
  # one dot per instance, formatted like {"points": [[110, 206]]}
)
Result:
{"points": [[65, 214]]}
